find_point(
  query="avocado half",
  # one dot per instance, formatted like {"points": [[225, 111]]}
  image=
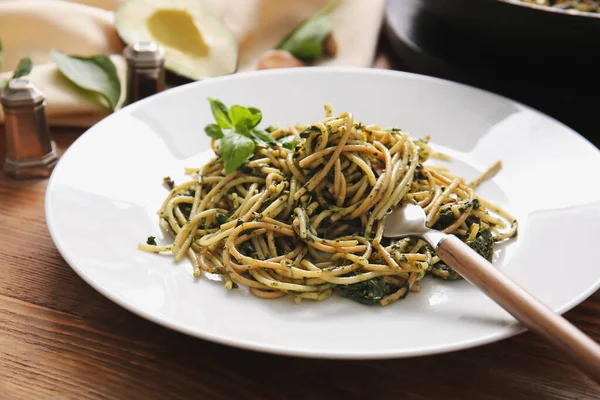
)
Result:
{"points": [[197, 42]]}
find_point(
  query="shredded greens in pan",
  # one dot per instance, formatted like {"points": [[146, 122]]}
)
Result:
{"points": [[579, 5], [299, 210]]}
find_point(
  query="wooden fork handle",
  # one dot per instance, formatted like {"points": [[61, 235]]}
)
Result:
{"points": [[584, 352]]}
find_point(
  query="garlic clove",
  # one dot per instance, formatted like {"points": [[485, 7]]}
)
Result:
{"points": [[271, 59]]}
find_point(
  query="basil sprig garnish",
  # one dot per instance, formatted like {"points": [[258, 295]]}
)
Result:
{"points": [[305, 42], [236, 130]]}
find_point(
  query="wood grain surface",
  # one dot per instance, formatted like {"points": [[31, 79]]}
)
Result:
{"points": [[60, 339]]}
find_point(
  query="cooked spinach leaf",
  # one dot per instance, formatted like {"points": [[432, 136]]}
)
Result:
{"points": [[367, 292]]}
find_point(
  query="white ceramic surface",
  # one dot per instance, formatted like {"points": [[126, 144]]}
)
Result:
{"points": [[103, 196]]}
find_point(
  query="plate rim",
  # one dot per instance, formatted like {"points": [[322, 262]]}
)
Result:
{"points": [[276, 349]]}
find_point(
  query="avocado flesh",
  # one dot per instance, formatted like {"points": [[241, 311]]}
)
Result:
{"points": [[197, 43], [176, 29]]}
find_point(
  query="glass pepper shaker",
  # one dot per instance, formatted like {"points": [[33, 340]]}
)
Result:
{"points": [[145, 70]]}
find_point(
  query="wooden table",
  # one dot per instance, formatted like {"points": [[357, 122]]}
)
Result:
{"points": [[60, 339]]}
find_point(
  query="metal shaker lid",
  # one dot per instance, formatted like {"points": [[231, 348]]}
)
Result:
{"points": [[145, 54], [21, 92]]}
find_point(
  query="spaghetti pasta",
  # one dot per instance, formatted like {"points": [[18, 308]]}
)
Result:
{"points": [[308, 221]]}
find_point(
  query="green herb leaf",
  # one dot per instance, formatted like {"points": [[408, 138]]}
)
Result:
{"points": [[235, 149], [289, 142], [306, 41], [186, 209], [221, 218], [244, 118], [221, 114], [151, 241], [214, 131], [261, 137], [255, 117], [445, 219], [169, 183], [441, 270], [23, 68], [240, 117], [483, 244], [96, 74], [366, 292]]}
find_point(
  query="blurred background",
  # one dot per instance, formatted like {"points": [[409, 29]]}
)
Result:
{"points": [[543, 53], [539, 52]]}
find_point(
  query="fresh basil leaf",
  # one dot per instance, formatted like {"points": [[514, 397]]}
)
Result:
{"points": [[235, 149], [289, 142], [214, 131], [255, 117], [261, 137], [221, 114], [240, 117], [308, 50], [244, 118], [96, 74], [23, 68], [306, 41]]}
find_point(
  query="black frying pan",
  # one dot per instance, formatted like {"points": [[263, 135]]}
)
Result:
{"points": [[512, 23], [545, 58]]}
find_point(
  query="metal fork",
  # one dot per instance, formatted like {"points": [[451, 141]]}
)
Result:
{"points": [[409, 220]]}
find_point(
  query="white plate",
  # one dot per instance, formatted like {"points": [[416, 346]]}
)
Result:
{"points": [[104, 193]]}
